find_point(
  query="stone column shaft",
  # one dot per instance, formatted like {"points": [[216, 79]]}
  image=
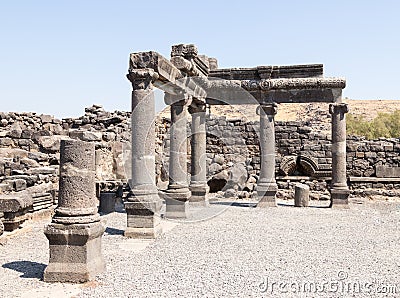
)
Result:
{"points": [[266, 186], [339, 188], [75, 232], [178, 191], [143, 201], [198, 181]]}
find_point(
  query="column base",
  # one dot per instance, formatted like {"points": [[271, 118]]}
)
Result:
{"points": [[75, 252], [266, 195], [143, 222], [339, 198], [176, 202], [199, 194]]}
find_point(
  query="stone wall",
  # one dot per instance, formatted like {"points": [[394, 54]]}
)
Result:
{"points": [[29, 153], [30, 144]]}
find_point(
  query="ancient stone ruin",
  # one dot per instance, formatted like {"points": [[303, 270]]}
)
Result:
{"points": [[75, 232], [191, 82], [143, 159]]}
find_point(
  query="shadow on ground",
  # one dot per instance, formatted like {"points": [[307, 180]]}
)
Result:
{"points": [[235, 204], [27, 268], [113, 231]]}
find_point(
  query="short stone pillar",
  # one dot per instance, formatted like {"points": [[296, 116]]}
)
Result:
{"points": [[266, 186], [301, 195], [339, 189], [143, 203], [177, 195], [198, 182], [76, 230]]}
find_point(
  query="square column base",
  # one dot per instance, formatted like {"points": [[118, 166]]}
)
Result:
{"points": [[339, 198], [143, 222], [75, 252], [266, 195], [199, 195], [176, 202]]}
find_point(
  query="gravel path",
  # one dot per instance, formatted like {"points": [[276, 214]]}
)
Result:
{"points": [[242, 252]]}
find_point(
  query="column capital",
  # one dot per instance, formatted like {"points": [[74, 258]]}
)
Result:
{"points": [[142, 78], [197, 107], [269, 109], [180, 99], [336, 108]]}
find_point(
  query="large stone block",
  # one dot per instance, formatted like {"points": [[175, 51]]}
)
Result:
{"points": [[75, 252], [387, 172], [15, 209], [266, 195], [143, 219], [340, 198]]}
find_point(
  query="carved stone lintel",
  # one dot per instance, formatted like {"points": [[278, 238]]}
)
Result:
{"points": [[182, 64], [213, 63], [293, 83], [336, 108], [142, 78], [269, 109], [188, 51]]}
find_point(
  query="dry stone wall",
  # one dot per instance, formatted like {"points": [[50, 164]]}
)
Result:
{"points": [[29, 153]]}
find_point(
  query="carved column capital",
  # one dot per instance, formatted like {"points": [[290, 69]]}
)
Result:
{"points": [[336, 108], [182, 99], [197, 107], [269, 109], [142, 78]]}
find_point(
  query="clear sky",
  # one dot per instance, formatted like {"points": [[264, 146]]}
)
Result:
{"points": [[58, 57]]}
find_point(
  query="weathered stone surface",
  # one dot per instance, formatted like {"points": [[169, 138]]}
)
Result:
{"points": [[301, 195], [143, 219], [107, 202], [75, 252], [387, 172], [13, 203], [15, 209], [75, 232], [178, 192], [51, 143], [237, 176], [77, 195]]}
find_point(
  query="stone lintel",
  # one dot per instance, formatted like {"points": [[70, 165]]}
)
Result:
{"points": [[197, 64], [374, 179], [269, 72], [168, 77], [236, 97]]}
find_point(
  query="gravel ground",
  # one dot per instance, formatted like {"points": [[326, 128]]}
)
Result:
{"points": [[241, 252]]}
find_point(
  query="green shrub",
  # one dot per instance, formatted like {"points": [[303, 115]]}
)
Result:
{"points": [[384, 125]]}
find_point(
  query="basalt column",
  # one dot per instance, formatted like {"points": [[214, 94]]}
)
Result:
{"points": [[75, 232], [198, 182], [339, 189], [266, 186], [178, 193], [143, 203]]}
